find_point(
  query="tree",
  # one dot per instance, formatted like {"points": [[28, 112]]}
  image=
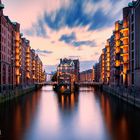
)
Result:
{"points": [[54, 77]]}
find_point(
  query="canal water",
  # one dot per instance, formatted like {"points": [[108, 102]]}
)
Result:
{"points": [[87, 115]]}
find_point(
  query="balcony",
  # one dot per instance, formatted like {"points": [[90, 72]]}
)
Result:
{"points": [[117, 50], [17, 64], [125, 50], [125, 54], [124, 46], [108, 74], [125, 42], [17, 51], [27, 55], [27, 68], [125, 61], [33, 69], [17, 44], [28, 75], [17, 57], [108, 55], [17, 36], [108, 70], [28, 50], [117, 36], [33, 62], [124, 29], [27, 60], [108, 60], [108, 65], [117, 63], [124, 38], [34, 77], [125, 34], [118, 43], [117, 26], [17, 72]]}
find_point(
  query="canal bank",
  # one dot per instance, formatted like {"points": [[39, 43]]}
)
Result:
{"points": [[17, 92], [129, 95]]}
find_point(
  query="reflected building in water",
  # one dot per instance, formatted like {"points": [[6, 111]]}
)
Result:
{"points": [[17, 116], [89, 114], [68, 102], [117, 117]]}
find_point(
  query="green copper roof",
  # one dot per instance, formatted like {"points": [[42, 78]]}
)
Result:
{"points": [[14, 23], [131, 4], [120, 22], [1, 6], [21, 34]]}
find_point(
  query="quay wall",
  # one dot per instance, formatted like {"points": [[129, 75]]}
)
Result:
{"points": [[17, 92], [131, 96]]}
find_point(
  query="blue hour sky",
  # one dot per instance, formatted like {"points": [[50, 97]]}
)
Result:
{"points": [[66, 28]]}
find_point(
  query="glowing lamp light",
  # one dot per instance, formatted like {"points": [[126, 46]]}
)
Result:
{"points": [[116, 26], [17, 36], [117, 63]]}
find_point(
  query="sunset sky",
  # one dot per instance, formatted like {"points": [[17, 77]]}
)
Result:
{"points": [[66, 28]]}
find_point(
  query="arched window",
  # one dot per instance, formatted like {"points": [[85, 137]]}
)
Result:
{"points": [[4, 74]]}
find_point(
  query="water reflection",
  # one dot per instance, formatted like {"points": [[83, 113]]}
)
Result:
{"points": [[68, 102], [121, 119], [89, 119], [87, 115], [16, 116]]}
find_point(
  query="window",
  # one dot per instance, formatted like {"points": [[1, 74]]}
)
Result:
{"points": [[132, 36], [9, 73], [132, 55], [132, 78], [132, 27], [132, 18], [133, 66], [4, 74], [132, 46]]}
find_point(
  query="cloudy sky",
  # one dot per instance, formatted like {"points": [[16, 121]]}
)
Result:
{"points": [[66, 28]]}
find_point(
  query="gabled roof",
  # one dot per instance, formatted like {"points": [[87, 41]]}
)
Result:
{"points": [[68, 62]]}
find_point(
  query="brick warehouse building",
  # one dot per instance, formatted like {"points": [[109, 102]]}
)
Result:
{"points": [[8, 32], [19, 65], [124, 49]]}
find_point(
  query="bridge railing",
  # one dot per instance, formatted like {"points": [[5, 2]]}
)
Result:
{"points": [[50, 83], [89, 83]]}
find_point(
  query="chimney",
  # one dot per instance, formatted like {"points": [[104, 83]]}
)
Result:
{"points": [[61, 60]]}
